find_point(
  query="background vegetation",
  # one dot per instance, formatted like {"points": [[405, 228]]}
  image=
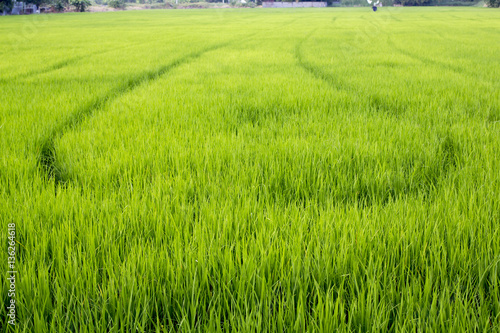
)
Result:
{"points": [[252, 171], [84, 5]]}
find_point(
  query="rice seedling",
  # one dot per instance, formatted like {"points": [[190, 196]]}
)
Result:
{"points": [[252, 170]]}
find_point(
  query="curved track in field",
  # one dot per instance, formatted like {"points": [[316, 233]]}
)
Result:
{"points": [[432, 62], [420, 58], [491, 110], [56, 66], [69, 62], [334, 82], [379, 103], [426, 60], [47, 156], [446, 156]]}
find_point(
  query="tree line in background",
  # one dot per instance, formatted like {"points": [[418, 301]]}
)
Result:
{"points": [[490, 3], [82, 5], [57, 5]]}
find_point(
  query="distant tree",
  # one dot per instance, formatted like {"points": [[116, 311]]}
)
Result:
{"points": [[117, 4], [386, 3], [80, 5], [493, 3], [59, 5], [413, 2], [38, 3], [5, 5]]}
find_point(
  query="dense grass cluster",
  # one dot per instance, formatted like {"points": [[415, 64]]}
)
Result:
{"points": [[250, 171]]}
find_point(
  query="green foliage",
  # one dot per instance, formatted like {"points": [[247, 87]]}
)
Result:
{"points": [[5, 5], [238, 3], [413, 2], [253, 171], [457, 3], [117, 4], [493, 3], [80, 5], [387, 3], [59, 5], [39, 2]]}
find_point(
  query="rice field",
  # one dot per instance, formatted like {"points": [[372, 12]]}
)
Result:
{"points": [[258, 170]]}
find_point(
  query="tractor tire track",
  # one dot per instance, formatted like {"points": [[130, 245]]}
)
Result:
{"points": [[431, 62], [425, 60], [47, 158], [489, 110], [53, 67], [314, 71], [377, 102], [58, 65], [487, 83], [446, 156], [335, 82], [68, 62]]}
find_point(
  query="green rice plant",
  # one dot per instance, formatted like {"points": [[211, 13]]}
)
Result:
{"points": [[252, 170]]}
